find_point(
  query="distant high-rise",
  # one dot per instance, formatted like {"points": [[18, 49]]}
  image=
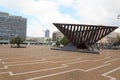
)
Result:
{"points": [[47, 33], [12, 26]]}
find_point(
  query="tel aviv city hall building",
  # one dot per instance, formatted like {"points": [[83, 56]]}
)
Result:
{"points": [[12, 26]]}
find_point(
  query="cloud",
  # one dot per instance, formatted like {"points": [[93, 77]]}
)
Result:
{"points": [[34, 29], [98, 11], [65, 2], [46, 12], [103, 12]]}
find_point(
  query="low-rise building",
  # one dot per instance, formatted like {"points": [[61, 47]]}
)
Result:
{"points": [[109, 39], [57, 36]]}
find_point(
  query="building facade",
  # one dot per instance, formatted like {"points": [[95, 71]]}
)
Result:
{"points": [[12, 26], [57, 36], [47, 33], [110, 38]]}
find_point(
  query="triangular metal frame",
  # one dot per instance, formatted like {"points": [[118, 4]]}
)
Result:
{"points": [[83, 36]]}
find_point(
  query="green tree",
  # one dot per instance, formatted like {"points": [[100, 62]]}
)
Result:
{"points": [[117, 40], [17, 40], [57, 44], [49, 40], [64, 41]]}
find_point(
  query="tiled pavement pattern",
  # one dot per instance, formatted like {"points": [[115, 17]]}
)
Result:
{"points": [[41, 63]]}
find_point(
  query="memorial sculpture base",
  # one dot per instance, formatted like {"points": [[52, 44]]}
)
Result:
{"points": [[71, 47]]}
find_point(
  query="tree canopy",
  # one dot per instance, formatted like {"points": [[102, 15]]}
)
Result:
{"points": [[117, 41], [17, 40], [64, 41]]}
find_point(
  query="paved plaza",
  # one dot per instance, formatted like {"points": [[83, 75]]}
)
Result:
{"points": [[41, 63]]}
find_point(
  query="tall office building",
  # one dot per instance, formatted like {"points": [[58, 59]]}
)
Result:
{"points": [[12, 26], [47, 33]]}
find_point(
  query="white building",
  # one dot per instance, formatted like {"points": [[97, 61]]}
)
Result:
{"points": [[109, 38], [57, 35]]}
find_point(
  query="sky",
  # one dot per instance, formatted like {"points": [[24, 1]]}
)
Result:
{"points": [[41, 14]]}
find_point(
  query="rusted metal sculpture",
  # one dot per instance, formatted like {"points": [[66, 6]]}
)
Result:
{"points": [[83, 36]]}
